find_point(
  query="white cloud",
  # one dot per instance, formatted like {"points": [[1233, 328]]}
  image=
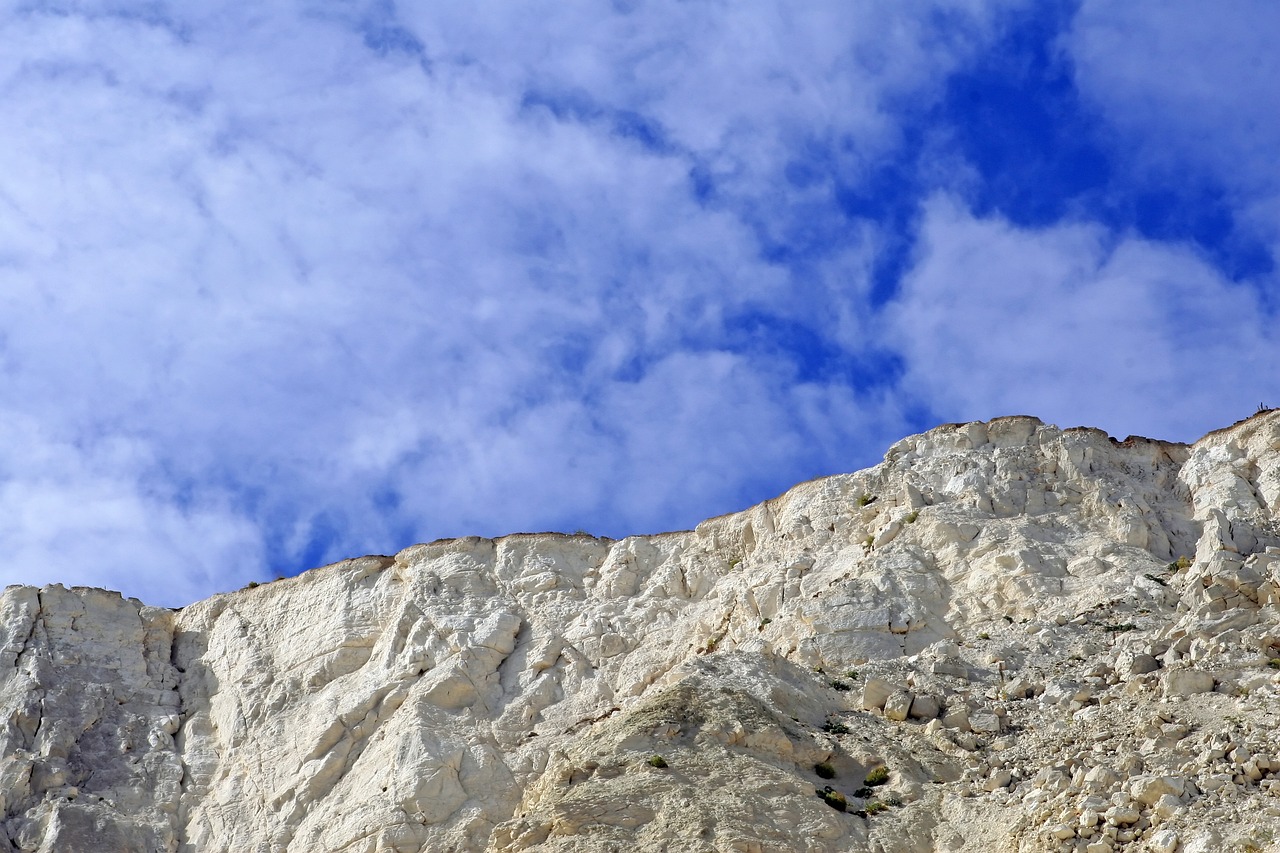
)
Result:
{"points": [[1077, 326], [296, 263], [94, 515], [1190, 84]]}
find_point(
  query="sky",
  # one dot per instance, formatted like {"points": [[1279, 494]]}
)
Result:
{"points": [[283, 283]]}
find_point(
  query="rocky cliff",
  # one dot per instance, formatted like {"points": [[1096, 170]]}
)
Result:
{"points": [[1006, 636]]}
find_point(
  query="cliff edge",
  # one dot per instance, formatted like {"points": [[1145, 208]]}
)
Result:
{"points": [[1004, 637]]}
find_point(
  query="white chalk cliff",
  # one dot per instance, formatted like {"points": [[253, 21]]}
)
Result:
{"points": [[1048, 640]]}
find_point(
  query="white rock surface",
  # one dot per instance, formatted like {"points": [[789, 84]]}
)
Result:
{"points": [[1053, 641]]}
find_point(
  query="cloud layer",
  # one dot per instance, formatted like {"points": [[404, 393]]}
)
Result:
{"points": [[283, 283]]}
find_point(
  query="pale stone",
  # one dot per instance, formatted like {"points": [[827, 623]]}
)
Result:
{"points": [[875, 691], [1149, 789], [1187, 682], [1164, 841], [1062, 832], [924, 707], [897, 706], [999, 778], [1122, 815], [1167, 806], [515, 694], [986, 722]]}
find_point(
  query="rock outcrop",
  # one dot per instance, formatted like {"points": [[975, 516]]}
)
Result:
{"points": [[1004, 637]]}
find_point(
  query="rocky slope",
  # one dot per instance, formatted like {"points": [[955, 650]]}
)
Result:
{"points": [[1005, 637]]}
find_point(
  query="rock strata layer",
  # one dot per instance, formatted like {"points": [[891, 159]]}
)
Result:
{"points": [[1004, 637]]}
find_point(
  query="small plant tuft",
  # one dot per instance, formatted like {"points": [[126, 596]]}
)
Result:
{"points": [[984, 635], [875, 807], [833, 798], [865, 499], [912, 516], [1179, 564], [1120, 629], [852, 675], [765, 621], [834, 728], [863, 792], [868, 542], [842, 686], [658, 761], [252, 585], [879, 776], [1274, 663], [824, 770]]}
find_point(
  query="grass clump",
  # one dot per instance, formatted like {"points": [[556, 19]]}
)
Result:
{"points": [[1179, 564], [658, 761], [879, 776], [912, 516], [865, 499], [842, 686], [1274, 663], [833, 728], [824, 770], [833, 798]]}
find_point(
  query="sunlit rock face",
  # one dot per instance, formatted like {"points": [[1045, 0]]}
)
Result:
{"points": [[1048, 640]]}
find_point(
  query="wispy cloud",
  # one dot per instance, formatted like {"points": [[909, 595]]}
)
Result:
{"points": [[352, 277], [287, 282], [1189, 90], [1077, 326]]}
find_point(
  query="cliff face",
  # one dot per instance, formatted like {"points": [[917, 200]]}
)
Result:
{"points": [[1050, 640]]}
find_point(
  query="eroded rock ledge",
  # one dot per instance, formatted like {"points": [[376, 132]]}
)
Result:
{"points": [[1048, 639]]}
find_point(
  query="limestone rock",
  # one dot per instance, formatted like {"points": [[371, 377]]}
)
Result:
{"points": [[735, 687]]}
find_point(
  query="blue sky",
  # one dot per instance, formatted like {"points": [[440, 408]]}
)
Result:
{"points": [[287, 282]]}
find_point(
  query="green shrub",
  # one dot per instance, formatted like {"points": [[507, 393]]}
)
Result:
{"points": [[875, 807], [835, 728], [852, 675], [1179, 564], [983, 635], [833, 798], [868, 542], [865, 499], [657, 761], [912, 516], [842, 686], [879, 776], [1274, 663], [824, 770], [862, 793]]}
